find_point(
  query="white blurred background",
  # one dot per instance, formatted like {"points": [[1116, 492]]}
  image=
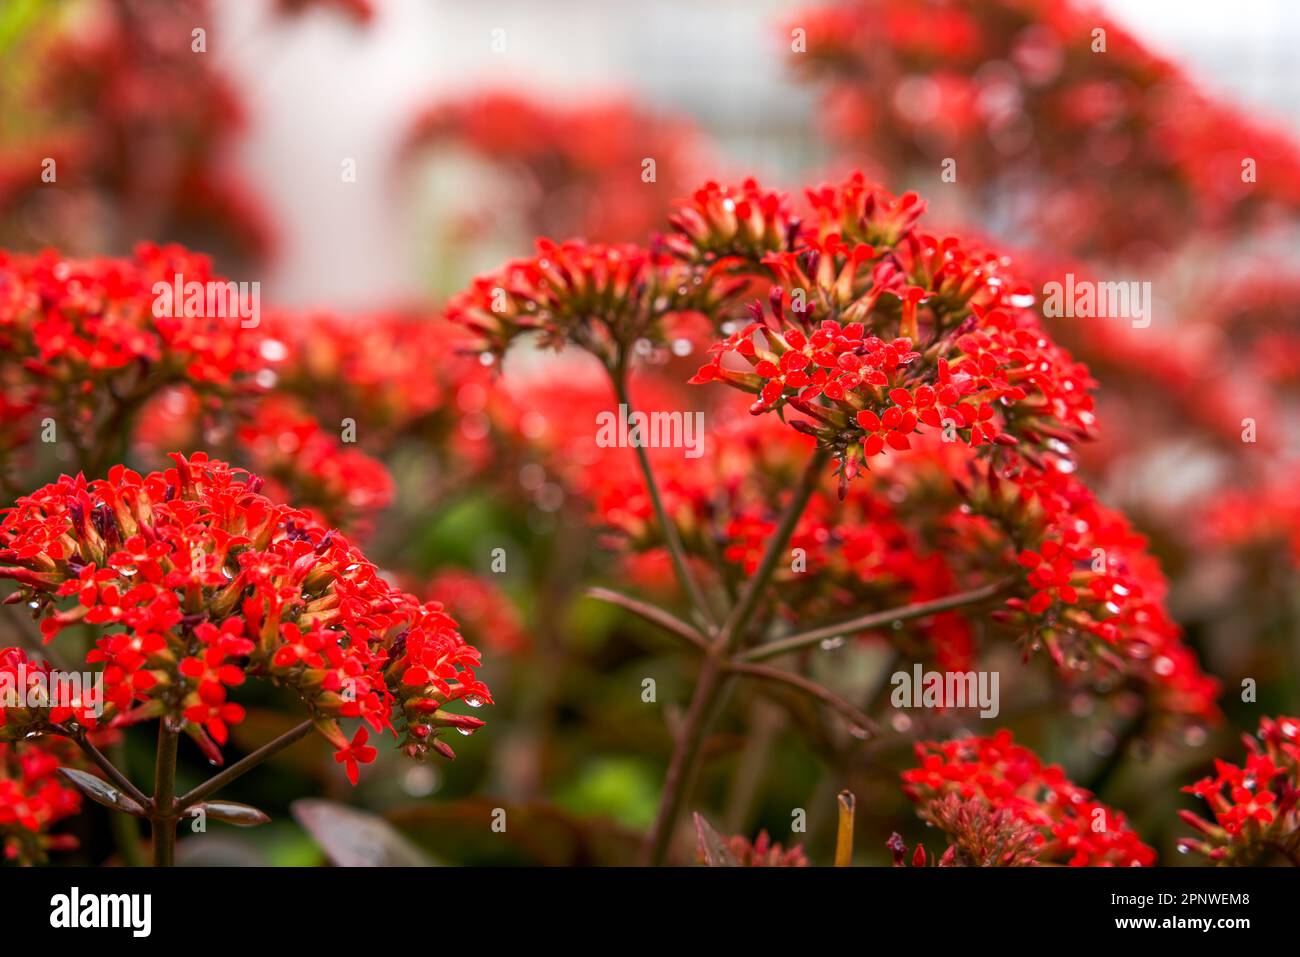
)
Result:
{"points": [[321, 90]]}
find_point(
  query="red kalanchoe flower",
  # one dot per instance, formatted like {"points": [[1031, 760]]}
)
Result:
{"points": [[1256, 806], [601, 298], [356, 753], [875, 330], [35, 699], [1071, 826], [722, 222], [91, 342], [911, 83], [33, 798], [926, 524], [306, 464], [199, 581], [395, 373]]}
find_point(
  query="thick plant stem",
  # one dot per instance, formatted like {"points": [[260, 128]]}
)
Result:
{"points": [[242, 766], [690, 738], [671, 539], [162, 813], [714, 675]]}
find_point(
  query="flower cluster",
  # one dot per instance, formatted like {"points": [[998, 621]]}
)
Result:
{"points": [[31, 704], [601, 298], [1254, 317], [1019, 90], [1256, 807], [301, 461], [1096, 596], [981, 836], [90, 343], [1264, 518], [1079, 583], [876, 331], [1071, 827], [32, 799], [396, 374], [196, 581]]}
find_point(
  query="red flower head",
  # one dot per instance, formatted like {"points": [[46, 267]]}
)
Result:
{"points": [[33, 798], [603, 299], [875, 331], [1256, 806], [912, 83], [721, 222], [34, 699], [198, 581], [343, 486], [1010, 782], [92, 341]]}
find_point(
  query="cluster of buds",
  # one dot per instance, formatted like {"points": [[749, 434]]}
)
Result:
{"points": [[981, 836], [1069, 825], [196, 581], [714, 850], [764, 852], [1256, 807], [603, 299], [733, 225]]}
